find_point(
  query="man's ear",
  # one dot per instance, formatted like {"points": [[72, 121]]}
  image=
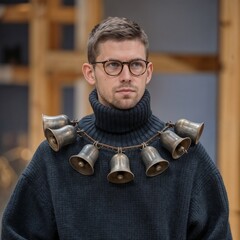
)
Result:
{"points": [[149, 72], [88, 73]]}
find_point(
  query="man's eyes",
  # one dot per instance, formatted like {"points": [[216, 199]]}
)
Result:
{"points": [[113, 64], [136, 64], [116, 64]]}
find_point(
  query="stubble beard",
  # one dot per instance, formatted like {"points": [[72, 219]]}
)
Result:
{"points": [[118, 102]]}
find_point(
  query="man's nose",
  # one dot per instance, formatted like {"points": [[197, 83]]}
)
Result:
{"points": [[125, 74]]}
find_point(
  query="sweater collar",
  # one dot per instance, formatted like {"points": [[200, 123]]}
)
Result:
{"points": [[117, 120]]}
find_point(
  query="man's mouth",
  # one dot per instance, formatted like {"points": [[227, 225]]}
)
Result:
{"points": [[125, 90]]}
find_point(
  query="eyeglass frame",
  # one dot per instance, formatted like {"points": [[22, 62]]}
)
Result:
{"points": [[123, 63]]}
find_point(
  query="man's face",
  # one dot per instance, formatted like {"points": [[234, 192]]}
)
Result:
{"points": [[125, 90]]}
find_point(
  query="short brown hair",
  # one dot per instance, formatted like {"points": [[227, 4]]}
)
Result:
{"points": [[114, 28]]}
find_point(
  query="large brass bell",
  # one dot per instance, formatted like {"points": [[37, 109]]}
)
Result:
{"points": [[85, 160], [185, 128], [54, 122], [58, 138], [120, 169], [176, 145], [154, 163]]}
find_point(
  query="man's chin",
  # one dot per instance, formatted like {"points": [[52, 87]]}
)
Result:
{"points": [[125, 104]]}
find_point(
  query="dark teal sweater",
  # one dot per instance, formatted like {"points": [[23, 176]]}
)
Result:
{"points": [[53, 201]]}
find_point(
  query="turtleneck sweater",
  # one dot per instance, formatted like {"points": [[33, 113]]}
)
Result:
{"points": [[121, 121], [119, 127], [54, 201]]}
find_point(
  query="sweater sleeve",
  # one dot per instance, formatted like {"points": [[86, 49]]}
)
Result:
{"points": [[29, 213], [209, 212]]}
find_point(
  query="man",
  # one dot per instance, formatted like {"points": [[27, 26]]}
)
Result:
{"points": [[117, 196]]}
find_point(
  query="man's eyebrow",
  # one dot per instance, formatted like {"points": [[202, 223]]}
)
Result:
{"points": [[134, 59]]}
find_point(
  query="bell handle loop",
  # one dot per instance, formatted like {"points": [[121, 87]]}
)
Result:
{"points": [[80, 131], [95, 144], [74, 122], [168, 125], [119, 150], [144, 145]]}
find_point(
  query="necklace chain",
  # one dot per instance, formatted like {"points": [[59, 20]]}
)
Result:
{"points": [[82, 133]]}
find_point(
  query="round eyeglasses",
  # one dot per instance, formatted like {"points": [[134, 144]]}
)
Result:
{"points": [[136, 67]]}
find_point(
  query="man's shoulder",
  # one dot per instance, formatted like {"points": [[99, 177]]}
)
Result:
{"points": [[86, 120]]}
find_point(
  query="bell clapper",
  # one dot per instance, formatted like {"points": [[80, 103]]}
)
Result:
{"points": [[181, 149], [120, 176], [53, 140], [158, 167], [81, 164]]}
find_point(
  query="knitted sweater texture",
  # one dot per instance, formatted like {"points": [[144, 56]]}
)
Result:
{"points": [[54, 201]]}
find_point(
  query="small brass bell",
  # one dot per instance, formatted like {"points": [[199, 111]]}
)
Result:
{"points": [[154, 163], [85, 160], [176, 145], [185, 128], [54, 122], [58, 138], [120, 169]]}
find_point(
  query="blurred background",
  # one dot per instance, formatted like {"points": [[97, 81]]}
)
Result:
{"points": [[195, 48]]}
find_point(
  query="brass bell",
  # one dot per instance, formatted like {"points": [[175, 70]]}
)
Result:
{"points": [[63, 136], [85, 160], [54, 122], [176, 145], [154, 163], [120, 169], [185, 128]]}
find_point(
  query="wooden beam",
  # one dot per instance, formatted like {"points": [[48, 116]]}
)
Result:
{"points": [[65, 78], [55, 35], [63, 15], [83, 26], [55, 95], [66, 66], [21, 13], [64, 61], [11, 74], [84, 23], [163, 63], [229, 110], [173, 63], [39, 91], [20, 74], [16, 13]]}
